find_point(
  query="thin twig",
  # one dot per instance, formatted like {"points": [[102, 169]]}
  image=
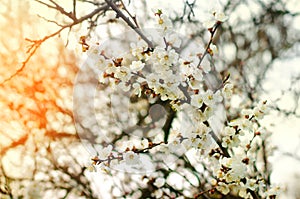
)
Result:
{"points": [[212, 33], [132, 17], [50, 21], [219, 142], [74, 8], [37, 43], [62, 10], [129, 23]]}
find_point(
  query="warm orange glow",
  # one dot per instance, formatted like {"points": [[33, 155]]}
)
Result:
{"points": [[35, 100]]}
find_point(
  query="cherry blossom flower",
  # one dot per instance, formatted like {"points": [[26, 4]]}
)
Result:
{"points": [[223, 188], [136, 66], [159, 182], [235, 168], [105, 152], [220, 16], [124, 86], [243, 124], [123, 73], [229, 131], [197, 74], [273, 191], [152, 80], [197, 100], [230, 141], [209, 23], [138, 49], [145, 143], [260, 110], [137, 89], [131, 158], [210, 98], [195, 84], [158, 193], [174, 145], [216, 16], [227, 90], [164, 24], [213, 48], [165, 57], [173, 40], [103, 167], [91, 168], [206, 68]]}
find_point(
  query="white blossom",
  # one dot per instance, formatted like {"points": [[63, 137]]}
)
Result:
{"points": [[145, 143], [159, 182], [131, 158], [124, 86], [237, 169], [227, 90], [197, 100], [243, 124], [152, 80], [195, 84], [123, 73], [260, 110], [216, 16], [206, 68], [103, 167], [230, 141], [209, 23], [137, 89], [174, 145], [164, 24], [223, 188], [104, 152], [229, 131], [158, 193], [136, 66], [210, 98], [220, 16], [173, 40], [91, 168], [197, 74], [273, 191], [214, 49], [138, 48]]}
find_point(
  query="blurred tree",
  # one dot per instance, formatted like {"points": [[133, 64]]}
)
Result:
{"points": [[36, 96], [39, 148]]}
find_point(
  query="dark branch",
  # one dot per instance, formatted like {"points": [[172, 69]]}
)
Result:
{"points": [[37, 43], [129, 23]]}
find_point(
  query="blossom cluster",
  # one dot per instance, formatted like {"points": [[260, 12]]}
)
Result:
{"points": [[161, 74]]}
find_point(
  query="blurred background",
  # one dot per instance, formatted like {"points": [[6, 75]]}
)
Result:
{"points": [[41, 155]]}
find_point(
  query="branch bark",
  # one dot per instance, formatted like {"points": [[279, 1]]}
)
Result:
{"points": [[37, 43], [129, 23]]}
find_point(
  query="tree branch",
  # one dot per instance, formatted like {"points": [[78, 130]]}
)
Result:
{"points": [[129, 23], [37, 43]]}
